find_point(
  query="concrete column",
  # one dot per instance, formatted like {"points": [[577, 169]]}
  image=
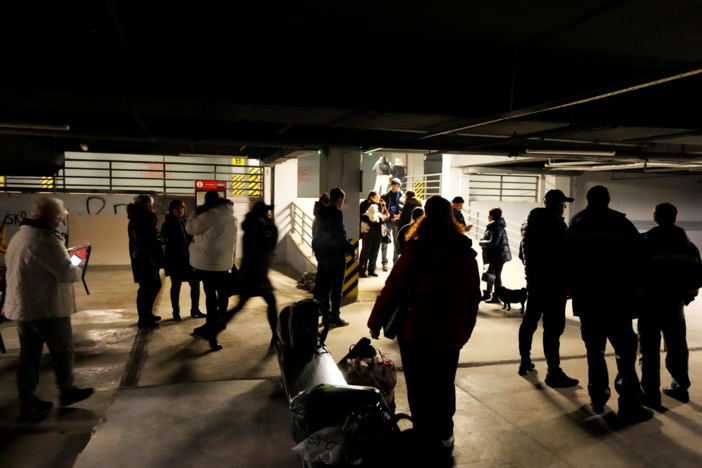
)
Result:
{"points": [[342, 168]]}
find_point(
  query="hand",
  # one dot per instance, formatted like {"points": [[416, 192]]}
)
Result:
{"points": [[375, 335], [469, 227], [569, 295], [355, 255]]}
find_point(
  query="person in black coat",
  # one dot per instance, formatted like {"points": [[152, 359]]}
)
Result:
{"points": [[606, 258], [146, 256], [331, 248], [496, 251], [373, 236], [177, 263], [675, 274], [542, 250], [260, 239]]}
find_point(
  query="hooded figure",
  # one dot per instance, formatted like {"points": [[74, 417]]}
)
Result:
{"points": [[496, 251]]}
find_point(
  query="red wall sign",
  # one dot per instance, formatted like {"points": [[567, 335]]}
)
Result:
{"points": [[204, 185]]}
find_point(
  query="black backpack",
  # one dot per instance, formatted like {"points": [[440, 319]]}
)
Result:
{"points": [[298, 329]]}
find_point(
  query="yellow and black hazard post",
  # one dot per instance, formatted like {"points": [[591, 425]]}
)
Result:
{"points": [[254, 179], [419, 189], [48, 182], [238, 184], [351, 278]]}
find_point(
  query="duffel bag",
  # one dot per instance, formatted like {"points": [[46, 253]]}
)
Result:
{"points": [[298, 329]]}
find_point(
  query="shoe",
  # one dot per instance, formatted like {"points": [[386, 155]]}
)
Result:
{"points": [[494, 300], [634, 414], [677, 394], [33, 407], [338, 322], [559, 379], [214, 345], [362, 274], [526, 367], [385, 268], [373, 274], [650, 400], [154, 318], [75, 395], [449, 443], [197, 314], [598, 408], [147, 324], [486, 296], [202, 333], [176, 316]]}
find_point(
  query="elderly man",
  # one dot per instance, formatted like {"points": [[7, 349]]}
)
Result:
{"points": [[40, 299]]}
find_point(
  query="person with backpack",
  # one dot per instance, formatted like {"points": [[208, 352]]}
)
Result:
{"points": [[214, 230], [177, 262], [331, 248], [439, 275], [675, 274], [260, 239]]}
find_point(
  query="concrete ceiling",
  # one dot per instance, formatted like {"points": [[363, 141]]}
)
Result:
{"points": [[263, 78]]}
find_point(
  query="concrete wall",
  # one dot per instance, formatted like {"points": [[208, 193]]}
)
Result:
{"points": [[308, 176], [285, 193], [637, 195]]}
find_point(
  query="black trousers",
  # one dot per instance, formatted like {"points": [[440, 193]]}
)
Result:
{"points": [[268, 296], [550, 303], [371, 247], [216, 295], [146, 296], [332, 283], [194, 294], [666, 316], [430, 374], [596, 330], [496, 269]]}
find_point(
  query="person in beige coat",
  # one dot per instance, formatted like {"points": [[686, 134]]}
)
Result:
{"points": [[40, 299]]}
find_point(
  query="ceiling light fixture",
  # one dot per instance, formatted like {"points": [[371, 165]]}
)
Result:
{"points": [[33, 126], [573, 152]]}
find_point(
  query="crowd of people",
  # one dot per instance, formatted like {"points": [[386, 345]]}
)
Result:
{"points": [[435, 277]]}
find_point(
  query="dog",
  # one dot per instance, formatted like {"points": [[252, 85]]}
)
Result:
{"points": [[511, 296]]}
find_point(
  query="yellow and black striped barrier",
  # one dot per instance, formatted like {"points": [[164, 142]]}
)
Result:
{"points": [[238, 184], [419, 189], [351, 277], [254, 181], [48, 182]]}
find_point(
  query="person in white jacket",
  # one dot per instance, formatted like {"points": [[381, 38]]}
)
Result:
{"points": [[214, 230], [40, 299]]}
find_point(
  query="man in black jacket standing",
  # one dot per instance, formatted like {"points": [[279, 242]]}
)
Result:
{"points": [[331, 248], [392, 199], [674, 277], [457, 205], [606, 258], [542, 252]]}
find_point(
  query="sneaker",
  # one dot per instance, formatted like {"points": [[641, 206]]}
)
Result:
{"points": [[385, 268], [338, 322], [449, 443], [486, 296], [34, 407], [373, 274], [559, 379], [526, 367], [75, 395], [634, 414], [677, 394]]}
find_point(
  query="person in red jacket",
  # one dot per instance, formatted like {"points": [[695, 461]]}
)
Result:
{"points": [[438, 272]]}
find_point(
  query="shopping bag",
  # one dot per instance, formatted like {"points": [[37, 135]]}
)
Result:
{"points": [[377, 371]]}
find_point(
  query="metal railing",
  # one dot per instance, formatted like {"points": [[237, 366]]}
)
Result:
{"points": [[424, 185], [302, 225], [479, 219], [495, 186], [137, 176]]}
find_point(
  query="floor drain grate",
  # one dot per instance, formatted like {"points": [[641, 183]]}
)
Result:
{"points": [[136, 360]]}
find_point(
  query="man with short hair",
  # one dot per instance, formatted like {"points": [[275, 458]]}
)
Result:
{"points": [[542, 250], [41, 300], [331, 248], [674, 278], [606, 257], [392, 199], [457, 205], [214, 230]]}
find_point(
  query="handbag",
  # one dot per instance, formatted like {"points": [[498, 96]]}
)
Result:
{"points": [[396, 320], [487, 276], [233, 285]]}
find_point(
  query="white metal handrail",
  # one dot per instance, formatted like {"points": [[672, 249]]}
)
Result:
{"points": [[302, 224], [424, 185]]}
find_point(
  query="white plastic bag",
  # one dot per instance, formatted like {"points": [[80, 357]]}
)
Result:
{"points": [[324, 446]]}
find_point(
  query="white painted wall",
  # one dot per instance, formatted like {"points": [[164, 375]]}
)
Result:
{"points": [[285, 193]]}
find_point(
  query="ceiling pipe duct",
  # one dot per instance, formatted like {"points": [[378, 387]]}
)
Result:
{"points": [[569, 152]]}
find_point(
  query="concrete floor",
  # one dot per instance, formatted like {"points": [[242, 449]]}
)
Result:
{"points": [[193, 407]]}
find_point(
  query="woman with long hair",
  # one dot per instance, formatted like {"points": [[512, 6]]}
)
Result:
{"points": [[178, 266], [438, 274], [373, 216]]}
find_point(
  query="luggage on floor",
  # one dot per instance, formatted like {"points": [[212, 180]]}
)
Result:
{"points": [[327, 405], [298, 329]]}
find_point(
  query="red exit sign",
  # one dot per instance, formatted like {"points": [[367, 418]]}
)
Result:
{"points": [[203, 185]]}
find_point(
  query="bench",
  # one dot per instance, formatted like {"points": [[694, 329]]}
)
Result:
{"points": [[296, 377]]}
